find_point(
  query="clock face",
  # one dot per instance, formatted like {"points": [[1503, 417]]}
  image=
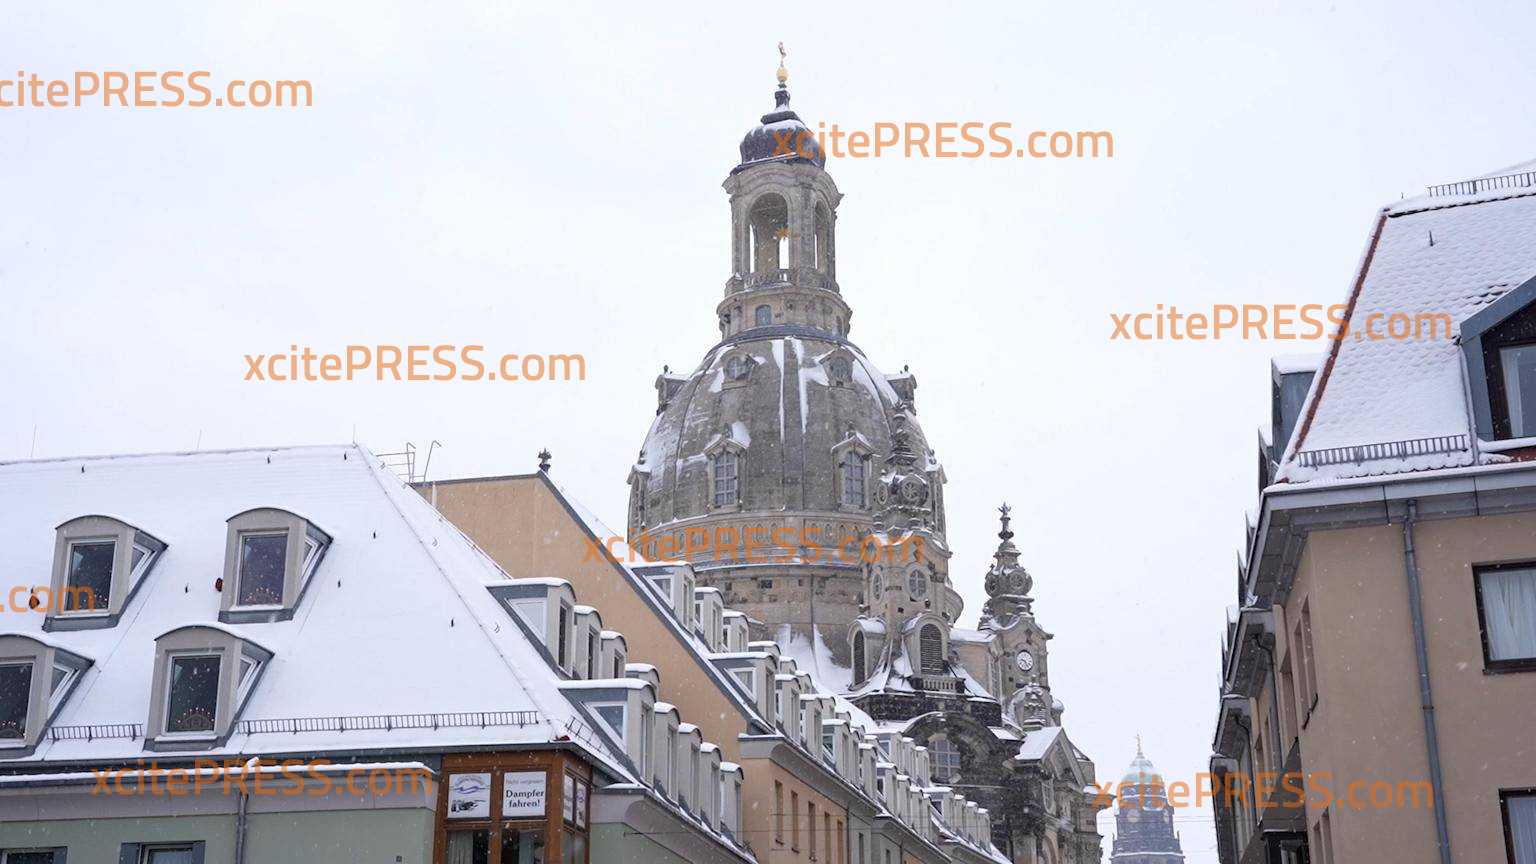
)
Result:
{"points": [[917, 583], [1025, 660]]}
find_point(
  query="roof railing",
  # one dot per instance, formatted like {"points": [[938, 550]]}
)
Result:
{"points": [[1359, 453], [1485, 184], [389, 722], [295, 725]]}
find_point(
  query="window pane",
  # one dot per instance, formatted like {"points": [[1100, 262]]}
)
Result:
{"points": [[1509, 612], [262, 559], [29, 857], [1519, 368], [15, 687], [1522, 827], [90, 576], [613, 715], [469, 847], [522, 845], [194, 694], [170, 855]]}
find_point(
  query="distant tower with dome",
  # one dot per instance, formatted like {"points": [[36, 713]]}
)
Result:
{"points": [[1144, 832], [794, 477]]}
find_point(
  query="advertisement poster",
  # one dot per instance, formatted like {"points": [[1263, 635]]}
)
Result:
{"points": [[469, 796], [523, 794]]}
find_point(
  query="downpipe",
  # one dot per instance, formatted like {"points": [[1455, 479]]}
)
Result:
{"points": [[1426, 697]]}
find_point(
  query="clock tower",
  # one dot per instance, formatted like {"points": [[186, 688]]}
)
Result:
{"points": [[1026, 683]]}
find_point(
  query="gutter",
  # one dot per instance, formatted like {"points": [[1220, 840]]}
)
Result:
{"points": [[1426, 698]]}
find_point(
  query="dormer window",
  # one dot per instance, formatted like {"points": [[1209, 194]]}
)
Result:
{"points": [[1499, 347], [35, 680], [270, 556], [203, 678], [727, 484], [15, 699], [192, 702], [99, 563], [854, 482], [738, 367], [839, 370]]}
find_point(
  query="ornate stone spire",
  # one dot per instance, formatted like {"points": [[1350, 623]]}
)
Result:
{"points": [[1007, 581]]}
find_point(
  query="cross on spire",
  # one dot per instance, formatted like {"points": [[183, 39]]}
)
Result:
{"points": [[1005, 534]]}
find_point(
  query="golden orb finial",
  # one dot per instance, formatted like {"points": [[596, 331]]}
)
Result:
{"points": [[783, 73]]}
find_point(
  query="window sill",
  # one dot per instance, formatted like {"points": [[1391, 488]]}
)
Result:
{"points": [[186, 736], [1508, 667]]}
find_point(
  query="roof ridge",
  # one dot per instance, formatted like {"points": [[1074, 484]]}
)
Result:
{"points": [[113, 457], [1447, 202]]}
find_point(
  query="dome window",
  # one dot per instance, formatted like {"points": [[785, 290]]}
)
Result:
{"points": [[931, 649], [770, 233], [727, 482], [855, 479], [823, 239], [917, 584], [738, 367], [858, 657]]}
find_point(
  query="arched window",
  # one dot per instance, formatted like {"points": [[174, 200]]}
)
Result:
{"points": [[770, 233], [946, 759], [930, 644], [727, 483], [823, 239], [762, 316], [858, 657], [853, 479]]}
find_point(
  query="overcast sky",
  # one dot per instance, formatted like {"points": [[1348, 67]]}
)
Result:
{"points": [[547, 179]]}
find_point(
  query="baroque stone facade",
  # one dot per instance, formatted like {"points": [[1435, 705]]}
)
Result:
{"points": [[795, 478]]}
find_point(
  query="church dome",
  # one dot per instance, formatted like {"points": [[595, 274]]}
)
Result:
{"points": [[1141, 771], [791, 402], [780, 135]]}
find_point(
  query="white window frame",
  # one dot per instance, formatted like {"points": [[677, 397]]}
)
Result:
{"points": [[98, 609], [61, 690], [165, 710], [26, 708], [240, 538], [623, 707]]}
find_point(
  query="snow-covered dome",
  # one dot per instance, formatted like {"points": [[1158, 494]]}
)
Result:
{"points": [[780, 135], [791, 402], [1141, 771]]}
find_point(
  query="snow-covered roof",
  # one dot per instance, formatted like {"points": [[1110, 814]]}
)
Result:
{"points": [[1452, 253], [396, 620]]}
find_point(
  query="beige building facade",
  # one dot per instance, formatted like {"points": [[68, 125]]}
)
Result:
{"points": [[1379, 669]]}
